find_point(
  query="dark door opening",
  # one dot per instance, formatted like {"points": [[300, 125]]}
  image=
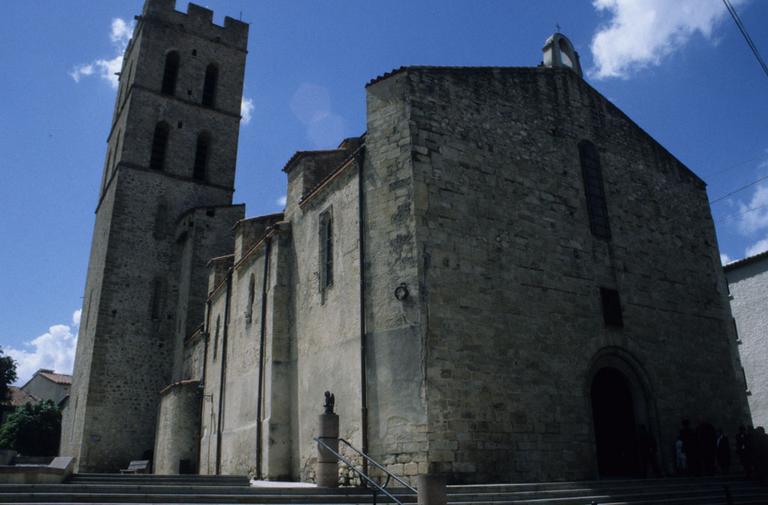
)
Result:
{"points": [[614, 417]]}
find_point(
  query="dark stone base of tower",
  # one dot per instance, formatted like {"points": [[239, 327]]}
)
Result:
{"points": [[504, 279]]}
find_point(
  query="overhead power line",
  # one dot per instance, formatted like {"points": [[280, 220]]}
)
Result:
{"points": [[737, 165], [739, 214], [745, 33], [742, 188]]}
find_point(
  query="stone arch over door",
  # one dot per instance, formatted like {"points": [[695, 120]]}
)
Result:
{"points": [[620, 398]]}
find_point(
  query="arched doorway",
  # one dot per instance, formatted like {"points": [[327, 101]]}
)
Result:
{"points": [[615, 423]]}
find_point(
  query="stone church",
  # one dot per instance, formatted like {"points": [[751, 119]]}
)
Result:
{"points": [[503, 279]]}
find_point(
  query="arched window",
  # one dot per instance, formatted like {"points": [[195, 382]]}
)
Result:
{"points": [[592, 174], [170, 73], [201, 156], [209, 86], [159, 146], [251, 298]]}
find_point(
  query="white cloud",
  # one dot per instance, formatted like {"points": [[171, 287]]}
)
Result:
{"points": [[282, 201], [758, 247], [108, 70], [120, 34], [54, 350], [80, 71], [246, 110], [642, 33], [311, 104], [753, 216], [725, 259]]}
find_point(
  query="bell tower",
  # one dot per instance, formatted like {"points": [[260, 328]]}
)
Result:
{"points": [[171, 151]]}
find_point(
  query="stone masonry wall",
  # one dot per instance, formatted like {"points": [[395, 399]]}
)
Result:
{"points": [[194, 354], [242, 375], [395, 353], [133, 355], [178, 429], [73, 418], [325, 323], [512, 274], [748, 283], [200, 234], [212, 393]]}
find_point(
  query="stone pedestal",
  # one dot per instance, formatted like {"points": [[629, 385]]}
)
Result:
{"points": [[431, 490], [327, 462]]}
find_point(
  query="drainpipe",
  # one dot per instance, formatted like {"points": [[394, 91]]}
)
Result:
{"points": [[361, 254], [222, 375], [262, 354]]}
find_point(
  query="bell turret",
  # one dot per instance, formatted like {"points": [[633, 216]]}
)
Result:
{"points": [[559, 52]]}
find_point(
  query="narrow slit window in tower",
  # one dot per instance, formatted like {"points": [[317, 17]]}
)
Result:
{"points": [[594, 190], [159, 146], [201, 156], [209, 85], [158, 293], [106, 171], [170, 73], [128, 81], [116, 159]]}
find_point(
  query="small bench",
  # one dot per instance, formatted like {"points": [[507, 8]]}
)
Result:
{"points": [[137, 466]]}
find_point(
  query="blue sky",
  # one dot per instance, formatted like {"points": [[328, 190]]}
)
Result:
{"points": [[679, 68]]}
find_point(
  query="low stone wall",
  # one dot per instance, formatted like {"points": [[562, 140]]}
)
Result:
{"points": [[178, 428], [56, 472]]}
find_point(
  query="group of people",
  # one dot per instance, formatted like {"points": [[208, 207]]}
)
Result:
{"points": [[752, 448], [705, 451]]}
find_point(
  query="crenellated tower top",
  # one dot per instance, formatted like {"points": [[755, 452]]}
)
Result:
{"points": [[197, 20]]}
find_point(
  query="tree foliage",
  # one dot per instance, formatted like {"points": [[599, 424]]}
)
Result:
{"points": [[7, 375], [33, 430]]}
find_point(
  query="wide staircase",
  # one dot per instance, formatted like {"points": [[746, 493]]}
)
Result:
{"points": [[157, 489]]}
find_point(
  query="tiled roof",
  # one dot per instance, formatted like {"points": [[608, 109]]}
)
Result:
{"points": [[745, 261], [58, 378], [300, 154], [344, 164], [19, 397]]}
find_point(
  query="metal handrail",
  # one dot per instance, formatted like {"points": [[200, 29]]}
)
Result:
{"points": [[378, 487], [377, 465]]}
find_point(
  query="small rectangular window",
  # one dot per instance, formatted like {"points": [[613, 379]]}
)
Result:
{"points": [[326, 250], [611, 307]]}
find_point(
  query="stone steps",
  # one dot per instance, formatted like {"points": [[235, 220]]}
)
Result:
{"points": [[113, 489], [111, 478]]}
